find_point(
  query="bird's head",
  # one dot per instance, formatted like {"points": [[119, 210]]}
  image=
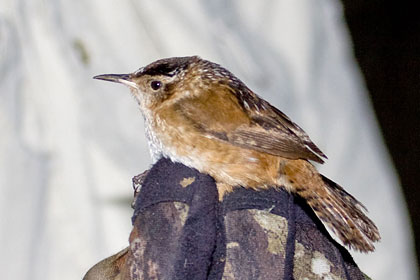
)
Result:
{"points": [[168, 80]]}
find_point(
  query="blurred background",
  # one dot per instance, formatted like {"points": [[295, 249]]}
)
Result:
{"points": [[346, 71]]}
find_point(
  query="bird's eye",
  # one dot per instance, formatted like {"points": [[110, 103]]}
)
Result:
{"points": [[155, 85]]}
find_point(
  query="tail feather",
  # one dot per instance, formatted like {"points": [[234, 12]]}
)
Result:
{"points": [[335, 207], [343, 214]]}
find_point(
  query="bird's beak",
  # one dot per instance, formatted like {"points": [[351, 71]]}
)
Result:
{"points": [[125, 79]]}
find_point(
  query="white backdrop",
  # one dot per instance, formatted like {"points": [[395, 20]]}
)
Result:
{"points": [[69, 145]]}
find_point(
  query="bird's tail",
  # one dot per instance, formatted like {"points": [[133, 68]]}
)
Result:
{"points": [[336, 208], [344, 215]]}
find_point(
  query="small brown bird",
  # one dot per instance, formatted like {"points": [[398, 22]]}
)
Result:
{"points": [[199, 114]]}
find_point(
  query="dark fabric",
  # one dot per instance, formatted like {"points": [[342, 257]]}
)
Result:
{"points": [[187, 254], [182, 231]]}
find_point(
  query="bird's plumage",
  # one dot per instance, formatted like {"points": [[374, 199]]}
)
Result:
{"points": [[266, 130], [198, 113]]}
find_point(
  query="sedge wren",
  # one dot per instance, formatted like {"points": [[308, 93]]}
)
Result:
{"points": [[199, 114]]}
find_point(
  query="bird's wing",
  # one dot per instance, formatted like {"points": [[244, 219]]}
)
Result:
{"points": [[286, 134], [249, 122]]}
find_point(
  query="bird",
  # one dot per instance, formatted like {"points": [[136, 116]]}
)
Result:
{"points": [[199, 114]]}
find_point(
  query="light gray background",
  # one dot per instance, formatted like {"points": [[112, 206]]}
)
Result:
{"points": [[69, 145]]}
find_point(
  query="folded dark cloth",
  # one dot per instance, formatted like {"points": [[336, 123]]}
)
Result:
{"points": [[182, 231]]}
